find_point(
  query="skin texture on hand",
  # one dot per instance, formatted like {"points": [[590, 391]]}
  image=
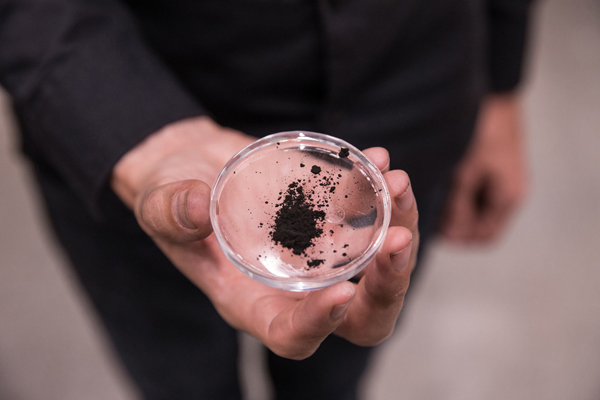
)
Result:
{"points": [[166, 181], [490, 182]]}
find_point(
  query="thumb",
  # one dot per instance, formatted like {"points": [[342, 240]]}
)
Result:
{"points": [[177, 211]]}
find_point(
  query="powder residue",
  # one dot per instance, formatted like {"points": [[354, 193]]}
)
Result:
{"points": [[315, 262], [297, 222], [298, 219]]}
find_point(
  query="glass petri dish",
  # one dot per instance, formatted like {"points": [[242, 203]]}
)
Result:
{"points": [[300, 210]]}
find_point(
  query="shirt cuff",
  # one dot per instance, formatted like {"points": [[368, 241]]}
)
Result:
{"points": [[96, 105], [507, 44]]}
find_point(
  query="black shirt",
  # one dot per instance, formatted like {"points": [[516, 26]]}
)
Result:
{"points": [[91, 78]]}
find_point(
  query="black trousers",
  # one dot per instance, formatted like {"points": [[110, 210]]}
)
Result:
{"points": [[166, 331]]}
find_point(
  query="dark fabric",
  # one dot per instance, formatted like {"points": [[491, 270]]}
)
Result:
{"points": [[85, 88], [92, 78], [507, 38], [167, 333], [333, 372]]}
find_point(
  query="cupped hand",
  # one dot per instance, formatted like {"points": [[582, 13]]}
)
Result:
{"points": [[166, 181]]}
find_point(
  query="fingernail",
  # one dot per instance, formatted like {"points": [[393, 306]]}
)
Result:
{"points": [[181, 210], [406, 199], [401, 258], [339, 310]]}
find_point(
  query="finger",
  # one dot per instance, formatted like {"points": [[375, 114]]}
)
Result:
{"points": [[380, 294], [459, 220], [177, 212], [404, 206], [494, 215], [379, 156], [486, 230], [297, 331], [460, 216]]}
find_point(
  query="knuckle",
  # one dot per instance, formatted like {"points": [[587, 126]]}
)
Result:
{"points": [[153, 218], [403, 175], [372, 338], [145, 215], [385, 297], [396, 296], [413, 223], [154, 215]]}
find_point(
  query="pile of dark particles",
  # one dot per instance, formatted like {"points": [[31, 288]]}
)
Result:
{"points": [[298, 221], [300, 216]]}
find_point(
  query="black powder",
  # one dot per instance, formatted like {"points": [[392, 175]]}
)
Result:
{"points": [[300, 213], [314, 263], [297, 222]]}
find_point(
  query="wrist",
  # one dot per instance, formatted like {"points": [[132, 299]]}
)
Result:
{"points": [[499, 118]]}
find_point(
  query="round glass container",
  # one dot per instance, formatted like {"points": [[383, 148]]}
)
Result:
{"points": [[300, 210]]}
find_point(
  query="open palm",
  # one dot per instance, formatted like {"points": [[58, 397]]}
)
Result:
{"points": [[166, 181]]}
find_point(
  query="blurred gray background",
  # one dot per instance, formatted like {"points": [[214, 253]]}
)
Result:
{"points": [[520, 320]]}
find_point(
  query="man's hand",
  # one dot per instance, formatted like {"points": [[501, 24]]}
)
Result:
{"points": [[166, 181], [490, 182]]}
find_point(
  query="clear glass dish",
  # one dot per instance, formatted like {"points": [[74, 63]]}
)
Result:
{"points": [[300, 210]]}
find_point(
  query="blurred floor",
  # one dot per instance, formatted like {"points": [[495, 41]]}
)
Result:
{"points": [[518, 321]]}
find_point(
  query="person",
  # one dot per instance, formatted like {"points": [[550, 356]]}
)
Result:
{"points": [[128, 110]]}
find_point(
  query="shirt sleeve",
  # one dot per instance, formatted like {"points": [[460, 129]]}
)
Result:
{"points": [[508, 21], [85, 87]]}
